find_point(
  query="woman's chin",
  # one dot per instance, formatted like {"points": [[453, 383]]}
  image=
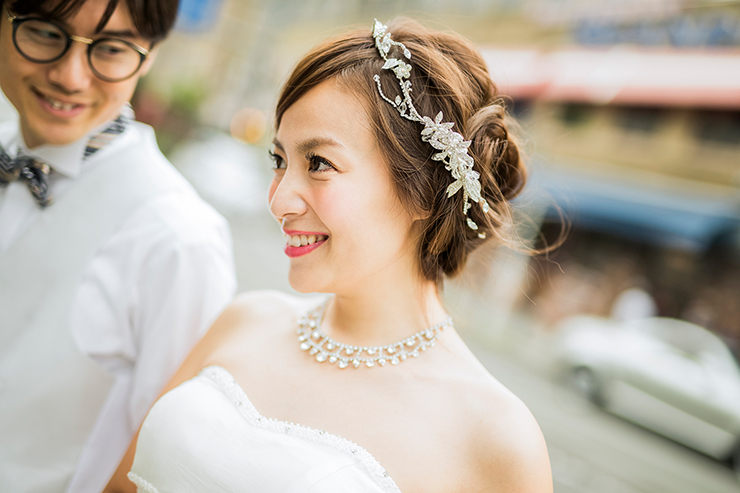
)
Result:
{"points": [[303, 285]]}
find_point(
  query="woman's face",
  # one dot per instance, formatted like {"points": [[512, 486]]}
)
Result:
{"points": [[332, 192]]}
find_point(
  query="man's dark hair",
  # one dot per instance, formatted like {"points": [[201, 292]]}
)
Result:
{"points": [[152, 18]]}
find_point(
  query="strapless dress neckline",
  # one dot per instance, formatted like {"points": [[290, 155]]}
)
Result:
{"points": [[223, 380]]}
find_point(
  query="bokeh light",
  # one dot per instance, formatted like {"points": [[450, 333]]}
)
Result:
{"points": [[248, 125]]}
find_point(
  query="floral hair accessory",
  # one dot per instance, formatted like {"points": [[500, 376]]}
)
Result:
{"points": [[453, 148]]}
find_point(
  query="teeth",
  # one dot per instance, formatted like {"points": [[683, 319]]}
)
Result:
{"points": [[303, 240], [58, 105]]}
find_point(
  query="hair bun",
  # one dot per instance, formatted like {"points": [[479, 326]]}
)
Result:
{"points": [[496, 153]]}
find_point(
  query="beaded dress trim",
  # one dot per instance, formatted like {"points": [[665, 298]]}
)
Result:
{"points": [[142, 485], [223, 379]]}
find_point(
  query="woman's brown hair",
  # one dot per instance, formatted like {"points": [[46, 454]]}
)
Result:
{"points": [[448, 75]]}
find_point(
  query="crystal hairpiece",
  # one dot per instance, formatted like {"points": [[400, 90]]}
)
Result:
{"points": [[453, 148]]}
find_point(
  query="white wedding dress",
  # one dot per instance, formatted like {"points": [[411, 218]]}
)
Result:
{"points": [[205, 436]]}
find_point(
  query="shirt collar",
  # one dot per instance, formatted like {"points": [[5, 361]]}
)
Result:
{"points": [[64, 159]]}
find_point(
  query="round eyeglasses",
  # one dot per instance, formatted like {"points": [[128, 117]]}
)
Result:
{"points": [[42, 41]]}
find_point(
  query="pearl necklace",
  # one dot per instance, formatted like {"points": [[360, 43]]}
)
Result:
{"points": [[324, 348]]}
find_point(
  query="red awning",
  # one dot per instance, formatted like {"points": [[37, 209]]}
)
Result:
{"points": [[620, 75]]}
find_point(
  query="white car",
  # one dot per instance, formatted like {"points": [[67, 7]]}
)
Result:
{"points": [[667, 375]]}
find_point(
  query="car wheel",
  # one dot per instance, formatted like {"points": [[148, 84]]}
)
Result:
{"points": [[586, 384]]}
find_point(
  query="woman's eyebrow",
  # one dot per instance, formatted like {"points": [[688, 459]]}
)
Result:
{"points": [[277, 144], [310, 144], [313, 143]]}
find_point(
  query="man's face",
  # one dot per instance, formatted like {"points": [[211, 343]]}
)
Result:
{"points": [[60, 102]]}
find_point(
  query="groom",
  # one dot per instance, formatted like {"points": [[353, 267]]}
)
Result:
{"points": [[111, 266]]}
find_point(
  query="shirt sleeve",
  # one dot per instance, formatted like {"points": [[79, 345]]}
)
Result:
{"points": [[149, 293], [182, 286]]}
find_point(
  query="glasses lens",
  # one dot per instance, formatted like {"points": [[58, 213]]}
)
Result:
{"points": [[114, 60], [39, 40]]}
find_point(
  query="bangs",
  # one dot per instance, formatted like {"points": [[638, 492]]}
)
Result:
{"points": [[153, 19], [62, 10]]}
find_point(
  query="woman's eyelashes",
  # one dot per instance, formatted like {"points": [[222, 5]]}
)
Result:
{"points": [[317, 163], [277, 161]]}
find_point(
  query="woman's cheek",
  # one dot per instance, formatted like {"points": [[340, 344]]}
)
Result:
{"points": [[337, 205]]}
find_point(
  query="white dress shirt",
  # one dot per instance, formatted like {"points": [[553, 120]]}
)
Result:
{"points": [[149, 293]]}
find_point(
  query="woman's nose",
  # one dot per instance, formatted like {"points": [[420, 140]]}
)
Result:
{"points": [[286, 195]]}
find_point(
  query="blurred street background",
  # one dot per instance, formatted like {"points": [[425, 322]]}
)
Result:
{"points": [[630, 116]]}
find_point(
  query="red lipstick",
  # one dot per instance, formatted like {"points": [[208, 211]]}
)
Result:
{"points": [[298, 251]]}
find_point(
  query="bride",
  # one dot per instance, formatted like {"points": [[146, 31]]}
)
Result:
{"points": [[392, 164]]}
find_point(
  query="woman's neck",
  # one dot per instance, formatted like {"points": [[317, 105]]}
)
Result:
{"points": [[383, 314]]}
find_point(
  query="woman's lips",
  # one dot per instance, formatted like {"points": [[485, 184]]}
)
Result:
{"points": [[58, 107], [300, 243]]}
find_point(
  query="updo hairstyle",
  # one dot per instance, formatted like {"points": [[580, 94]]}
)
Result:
{"points": [[448, 75]]}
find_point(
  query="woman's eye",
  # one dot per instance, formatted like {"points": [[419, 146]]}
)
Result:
{"points": [[278, 162], [318, 163]]}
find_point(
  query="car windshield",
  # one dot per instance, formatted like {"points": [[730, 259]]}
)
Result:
{"points": [[689, 339]]}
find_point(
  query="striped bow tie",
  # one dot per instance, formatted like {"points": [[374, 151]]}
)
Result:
{"points": [[117, 127], [35, 173]]}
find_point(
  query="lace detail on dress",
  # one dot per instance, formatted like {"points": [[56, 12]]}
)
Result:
{"points": [[142, 485], [223, 379]]}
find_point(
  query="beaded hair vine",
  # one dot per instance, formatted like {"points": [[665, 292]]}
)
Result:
{"points": [[453, 148]]}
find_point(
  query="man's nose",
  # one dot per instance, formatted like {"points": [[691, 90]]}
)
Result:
{"points": [[71, 74]]}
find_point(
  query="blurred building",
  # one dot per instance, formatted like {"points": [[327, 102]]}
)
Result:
{"points": [[636, 132]]}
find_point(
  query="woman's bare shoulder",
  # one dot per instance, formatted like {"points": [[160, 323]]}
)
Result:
{"points": [[507, 447], [245, 317], [253, 308], [270, 303]]}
